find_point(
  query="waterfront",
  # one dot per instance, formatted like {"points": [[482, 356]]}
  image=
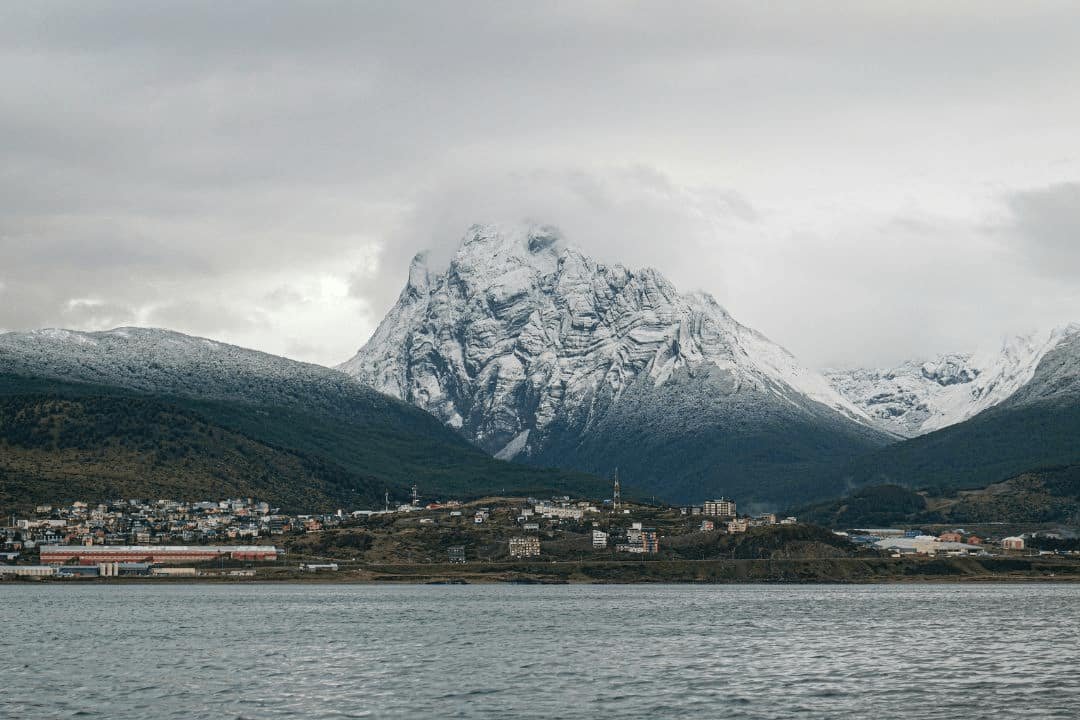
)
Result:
{"points": [[752, 651]]}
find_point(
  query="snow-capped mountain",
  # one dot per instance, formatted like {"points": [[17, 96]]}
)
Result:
{"points": [[919, 396], [1020, 414], [1056, 378], [149, 359], [153, 360], [149, 410], [540, 353]]}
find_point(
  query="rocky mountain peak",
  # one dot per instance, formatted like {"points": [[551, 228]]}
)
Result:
{"points": [[419, 276], [921, 396], [526, 342]]}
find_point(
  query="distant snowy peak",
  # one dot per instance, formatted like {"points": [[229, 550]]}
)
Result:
{"points": [[521, 329], [921, 396]]}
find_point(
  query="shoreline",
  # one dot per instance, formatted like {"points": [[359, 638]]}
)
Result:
{"points": [[834, 571], [988, 580]]}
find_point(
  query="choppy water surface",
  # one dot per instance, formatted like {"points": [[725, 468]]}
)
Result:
{"points": [[265, 651]]}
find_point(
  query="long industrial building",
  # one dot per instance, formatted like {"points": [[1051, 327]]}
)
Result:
{"points": [[92, 554]]}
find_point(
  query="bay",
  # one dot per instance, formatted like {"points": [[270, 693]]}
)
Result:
{"points": [[499, 651]]}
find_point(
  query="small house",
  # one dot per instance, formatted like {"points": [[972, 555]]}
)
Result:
{"points": [[1012, 543]]}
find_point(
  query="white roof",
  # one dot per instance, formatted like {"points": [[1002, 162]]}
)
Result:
{"points": [[922, 543]]}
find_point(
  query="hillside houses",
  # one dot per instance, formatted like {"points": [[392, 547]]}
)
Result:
{"points": [[148, 522]]}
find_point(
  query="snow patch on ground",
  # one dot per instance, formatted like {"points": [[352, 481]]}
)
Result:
{"points": [[514, 447]]}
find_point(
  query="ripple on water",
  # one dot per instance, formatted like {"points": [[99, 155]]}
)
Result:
{"points": [[194, 651]]}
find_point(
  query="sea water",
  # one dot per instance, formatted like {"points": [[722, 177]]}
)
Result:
{"points": [[502, 651]]}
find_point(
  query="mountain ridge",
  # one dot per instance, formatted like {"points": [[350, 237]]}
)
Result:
{"points": [[1036, 426], [920, 396], [291, 414], [536, 351]]}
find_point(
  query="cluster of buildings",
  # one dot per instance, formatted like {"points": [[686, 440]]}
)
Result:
{"points": [[552, 512], [156, 536], [722, 514], [524, 546], [146, 537], [564, 509], [918, 542], [117, 570], [153, 522], [126, 560], [153, 554], [635, 539], [717, 516]]}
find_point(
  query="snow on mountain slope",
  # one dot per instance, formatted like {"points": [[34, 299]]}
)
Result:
{"points": [[516, 316], [918, 397], [329, 438], [140, 358], [167, 362], [530, 348]]}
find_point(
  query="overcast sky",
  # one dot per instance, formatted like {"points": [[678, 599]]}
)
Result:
{"points": [[862, 182]]}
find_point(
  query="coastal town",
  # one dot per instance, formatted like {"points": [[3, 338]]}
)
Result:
{"points": [[141, 537], [246, 538]]}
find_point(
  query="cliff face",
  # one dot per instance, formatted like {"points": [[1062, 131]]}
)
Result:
{"points": [[539, 353]]}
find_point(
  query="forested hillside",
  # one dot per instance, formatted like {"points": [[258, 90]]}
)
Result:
{"points": [[71, 440], [1046, 495]]}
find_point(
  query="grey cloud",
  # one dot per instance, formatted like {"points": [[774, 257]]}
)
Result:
{"points": [[283, 297], [158, 154], [1046, 228], [636, 216], [97, 314], [300, 349], [210, 318]]}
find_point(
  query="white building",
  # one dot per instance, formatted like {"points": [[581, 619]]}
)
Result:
{"points": [[28, 570], [719, 508], [565, 513], [599, 539], [926, 545], [524, 546], [738, 525], [318, 567], [1013, 543]]}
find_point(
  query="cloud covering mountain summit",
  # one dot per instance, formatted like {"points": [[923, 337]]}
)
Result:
{"points": [[540, 353]]}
